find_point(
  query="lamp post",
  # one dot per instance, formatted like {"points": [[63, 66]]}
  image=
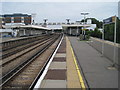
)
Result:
{"points": [[68, 21], [84, 24], [45, 20], [33, 18]]}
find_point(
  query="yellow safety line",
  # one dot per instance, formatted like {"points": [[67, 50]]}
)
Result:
{"points": [[78, 70]]}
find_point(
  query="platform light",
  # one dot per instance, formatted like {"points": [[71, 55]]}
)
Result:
{"points": [[68, 21], [85, 13], [33, 18], [45, 21]]}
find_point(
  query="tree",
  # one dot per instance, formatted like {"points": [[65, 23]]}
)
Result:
{"points": [[109, 31], [96, 33], [118, 30], [94, 21]]}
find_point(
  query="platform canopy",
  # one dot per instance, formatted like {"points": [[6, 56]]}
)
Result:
{"points": [[26, 26], [6, 30], [76, 25], [55, 27], [35, 27]]}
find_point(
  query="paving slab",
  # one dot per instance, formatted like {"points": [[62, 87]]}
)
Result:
{"points": [[60, 55], [72, 75], [61, 59], [58, 65], [56, 74], [53, 84], [62, 72]]}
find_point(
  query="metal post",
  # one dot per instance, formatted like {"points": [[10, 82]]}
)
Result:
{"points": [[84, 29], [45, 22], [33, 18], [82, 32], [114, 57], [70, 31], [84, 24], [68, 21], [24, 31], [77, 31], [103, 41]]}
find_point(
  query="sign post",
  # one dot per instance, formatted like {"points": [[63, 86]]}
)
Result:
{"points": [[114, 58], [108, 21], [103, 40]]}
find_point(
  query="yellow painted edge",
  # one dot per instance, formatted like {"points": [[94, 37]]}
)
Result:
{"points": [[77, 68]]}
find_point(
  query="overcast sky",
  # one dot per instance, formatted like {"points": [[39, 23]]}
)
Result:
{"points": [[59, 11]]}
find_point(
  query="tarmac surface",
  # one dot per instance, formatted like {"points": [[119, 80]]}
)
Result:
{"points": [[94, 66]]}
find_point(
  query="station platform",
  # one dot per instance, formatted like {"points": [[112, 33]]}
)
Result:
{"points": [[96, 68], [63, 72], [78, 65], [11, 39]]}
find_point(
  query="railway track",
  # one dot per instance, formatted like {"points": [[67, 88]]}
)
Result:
{"points": [[23, 76], [6, 45], [12, 61], [14, 49]]}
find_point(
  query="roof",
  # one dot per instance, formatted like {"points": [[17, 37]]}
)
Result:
{"points": [[54, 26], [5, 30], [16, 15], [11, 26], [25, 26], [75, 25], [35, 26]]}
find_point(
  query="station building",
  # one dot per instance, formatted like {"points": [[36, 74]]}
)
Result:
{"points": [[21, 24], [75, 29]]}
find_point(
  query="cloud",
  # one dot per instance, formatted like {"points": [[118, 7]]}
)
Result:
{"points": [[59, 11], [59, 0]]}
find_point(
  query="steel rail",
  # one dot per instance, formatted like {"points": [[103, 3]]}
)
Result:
{"points": [[12, 52], [24, 64]]}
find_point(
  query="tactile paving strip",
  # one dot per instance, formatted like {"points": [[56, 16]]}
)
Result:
{"points": [[57, 59], [56, 75]]}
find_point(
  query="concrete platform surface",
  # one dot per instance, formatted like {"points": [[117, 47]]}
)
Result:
{"points": [[58, 65], [53, 84], [62, 72], [94, 65]]}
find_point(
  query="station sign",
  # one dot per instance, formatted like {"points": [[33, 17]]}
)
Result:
{"points": [[84, 29], [109, 20]]}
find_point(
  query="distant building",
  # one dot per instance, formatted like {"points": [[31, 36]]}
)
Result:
{"points": [[89, 21], [15, 18]]}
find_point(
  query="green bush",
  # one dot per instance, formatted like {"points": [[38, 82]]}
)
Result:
{"points": [[95, 33], [109, 31]]}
